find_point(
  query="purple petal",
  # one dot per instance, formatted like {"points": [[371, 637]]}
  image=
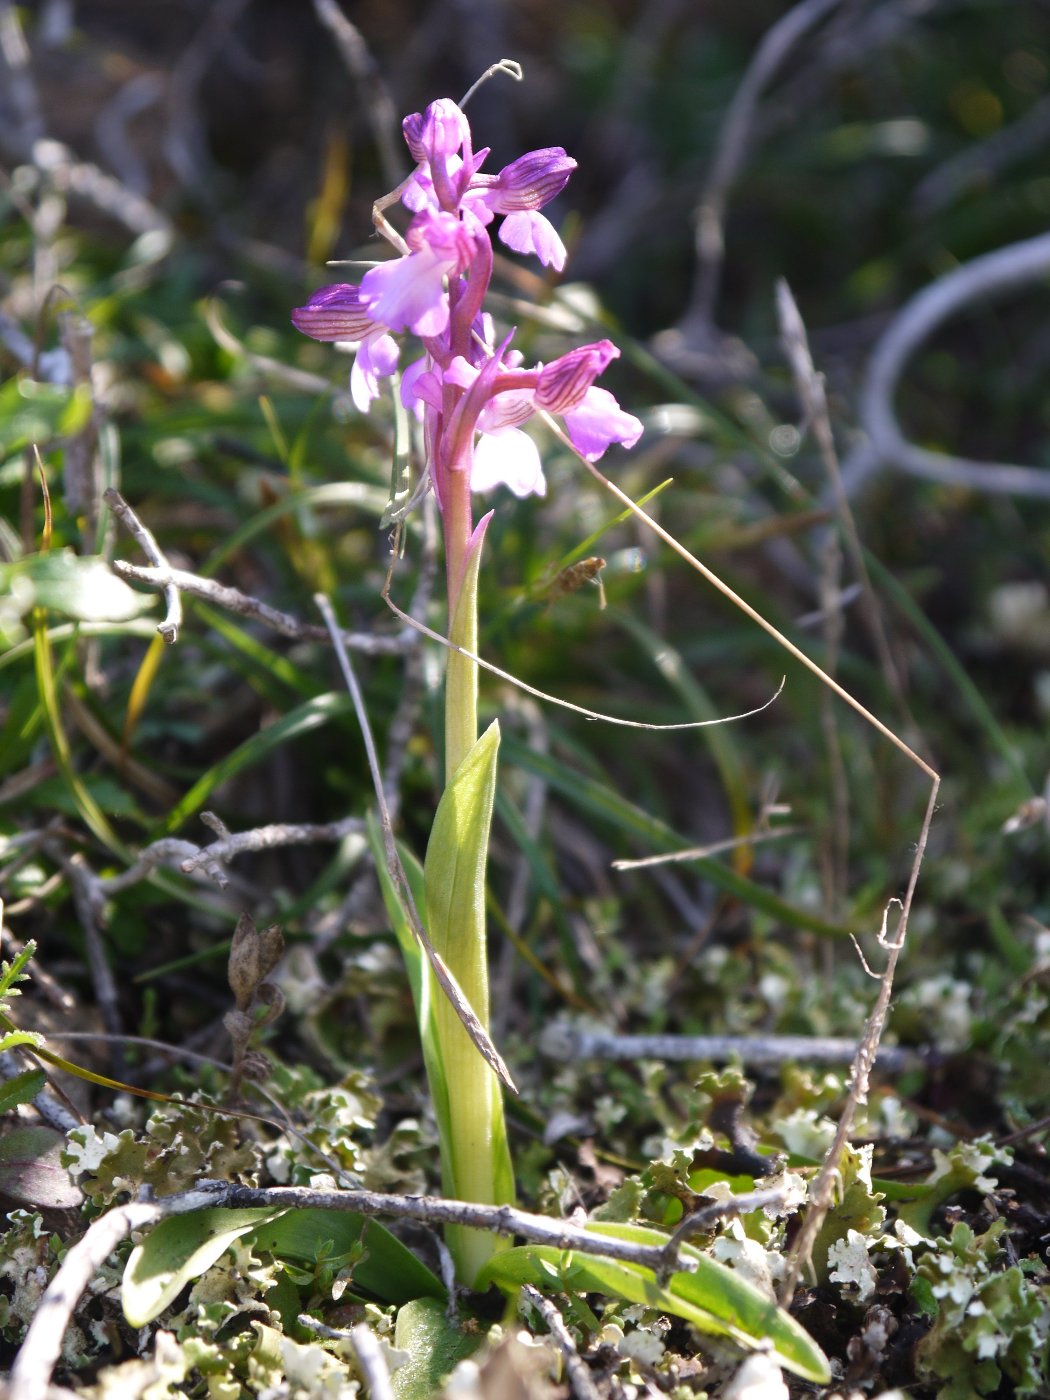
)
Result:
{"points": [[409, 293], [598, 422], [529, 232], [437, 133], [506, 410], [563, 383], [335, 312], [420, 387], [529, 182]]}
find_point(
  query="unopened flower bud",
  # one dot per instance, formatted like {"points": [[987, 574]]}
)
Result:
{"points": [[437, 133]]}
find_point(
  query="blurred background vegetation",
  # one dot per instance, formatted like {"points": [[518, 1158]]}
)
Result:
{"points": [[179, 174]]}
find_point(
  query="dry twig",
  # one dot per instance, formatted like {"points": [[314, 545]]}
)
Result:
{"points": [[41, 1348], [581, 1382], [988, 276], [376, 101], [563, 1041], [144, 537]]}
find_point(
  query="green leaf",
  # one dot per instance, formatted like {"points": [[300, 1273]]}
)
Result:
{"points": [[302, 720], [388, 1269], [434, 1345], [475, 1156], [179, 1250], [80, 587], [31, 1170], [454, 871], [593, 797], [714, 1298], [21, 1088]]}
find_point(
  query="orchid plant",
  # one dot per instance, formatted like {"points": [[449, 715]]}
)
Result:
{"points": [[472, 396]]}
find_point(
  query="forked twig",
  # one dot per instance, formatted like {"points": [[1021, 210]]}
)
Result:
{"points": [[144, 537]]}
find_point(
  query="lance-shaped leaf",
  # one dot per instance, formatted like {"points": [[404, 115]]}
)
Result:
{"points": [[177, 1251], [473, 1134], [714, 1298]]}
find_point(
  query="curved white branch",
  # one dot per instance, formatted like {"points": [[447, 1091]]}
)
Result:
{"points": [[985, 277]]}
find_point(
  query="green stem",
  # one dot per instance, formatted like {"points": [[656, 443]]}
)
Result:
{"points": [[476, 1162]]}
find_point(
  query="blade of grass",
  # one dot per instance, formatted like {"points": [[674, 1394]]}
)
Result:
{"points": [[92, 814], [304, 719], [594, 797]]}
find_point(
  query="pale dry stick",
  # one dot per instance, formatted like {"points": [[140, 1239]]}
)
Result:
{"points": [[369, 1354], [245, 605], [868, 1046], [267, 838], [468, 1017], [377, 104], [489, 666], [41, 1348], [811, 391], [39, 1353], [716, 848], [775, 45], [564, 1041], [823, 1188], [188, 857], [144, 537], [581, 1382], [984, 277], [371, 1362]]}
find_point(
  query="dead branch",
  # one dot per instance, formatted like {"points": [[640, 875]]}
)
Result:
{"points": [[983, 278], [144, 537], [173, 581], [822, 1191], [581, 1382], [376, 101], [42, 1346], [564, 1041]]}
